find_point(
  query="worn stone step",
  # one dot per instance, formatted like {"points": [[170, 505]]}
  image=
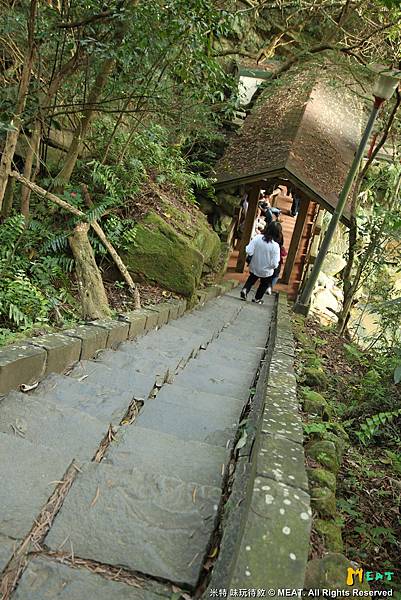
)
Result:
{"points": [[7, 547], [149, 522], [187, 424], [50, 580], [91, 396], [142, 361], [242, 342], [28, 473], [157, 452], [175, 344], [220, 380], [228, 358], [192, 399], [57, 426]]}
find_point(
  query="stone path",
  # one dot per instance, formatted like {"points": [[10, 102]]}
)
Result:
{"points": [[151, 505]]}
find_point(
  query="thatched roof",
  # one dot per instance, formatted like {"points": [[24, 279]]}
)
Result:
{"points": [[305, 131]]}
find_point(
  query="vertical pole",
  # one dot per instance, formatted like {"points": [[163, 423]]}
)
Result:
{"points": [[249, 221], [302, 305]]}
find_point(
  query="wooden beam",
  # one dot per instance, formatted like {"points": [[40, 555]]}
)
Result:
{"points": [[253, 199], [295, 240]]}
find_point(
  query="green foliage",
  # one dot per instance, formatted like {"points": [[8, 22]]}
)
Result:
{"points": [[31, 285], [373, 424]]}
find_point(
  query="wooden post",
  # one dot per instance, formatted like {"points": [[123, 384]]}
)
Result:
{"points": [[249, 221], [295, 240]]}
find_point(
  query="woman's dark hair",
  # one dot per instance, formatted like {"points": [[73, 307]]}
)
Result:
{"points": [[273, 232]]}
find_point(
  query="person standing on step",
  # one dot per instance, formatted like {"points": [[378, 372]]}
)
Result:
{"points": [[264, 255], [277, 232]]}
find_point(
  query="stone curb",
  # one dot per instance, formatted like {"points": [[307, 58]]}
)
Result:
{"points": [[33, 359], [266, 525]]}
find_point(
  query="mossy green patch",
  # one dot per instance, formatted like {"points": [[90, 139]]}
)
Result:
{"points": [[325, 453], [315, 377], [162, 255], [330, 531], [324, 501], [322, 478]]}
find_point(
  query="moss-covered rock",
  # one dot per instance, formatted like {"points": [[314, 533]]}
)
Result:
{"points": [[340, 443], [227, 202], [160, 254], [325, 453], [322, 478], [315, 377], [330, 572], [207, 242], [314, 403], [323, 501], [330, 531]]}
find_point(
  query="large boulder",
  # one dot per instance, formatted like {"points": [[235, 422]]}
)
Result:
{"points": [[159, 253]]}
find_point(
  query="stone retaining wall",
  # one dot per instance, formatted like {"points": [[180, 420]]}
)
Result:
{"points": [[33, 359], [267, 518]]}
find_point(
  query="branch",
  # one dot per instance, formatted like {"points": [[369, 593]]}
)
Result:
{"points": [[94, 224], [103, 15]]}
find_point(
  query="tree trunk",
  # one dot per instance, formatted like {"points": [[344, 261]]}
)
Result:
{"points": [[81, 131], [8, 198], [12, 136], [33, 150], [94, 303]]}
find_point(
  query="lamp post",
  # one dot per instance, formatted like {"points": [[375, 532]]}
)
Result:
{"points": [[385, 85]]}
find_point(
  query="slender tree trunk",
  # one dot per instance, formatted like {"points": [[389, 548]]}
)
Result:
{"points": [[33, 151], [8, 198], [94, 303], [44, 103], [12, 136], [81, 131]]}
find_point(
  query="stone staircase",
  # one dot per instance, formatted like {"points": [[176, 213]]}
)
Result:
{"points": [[150, 428]]}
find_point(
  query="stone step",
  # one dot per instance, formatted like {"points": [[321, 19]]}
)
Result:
{"points": [[161, 453], [228, 358], [55, 425], [242, 342], [135, 518], [50, 580], [192, 399], [91, 396], [174, 350], [142, 361], [7, 547], [28, 474], [188, 424], [216, 379]]}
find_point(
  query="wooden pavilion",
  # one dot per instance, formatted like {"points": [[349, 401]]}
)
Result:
{"points": [[303, 135]]}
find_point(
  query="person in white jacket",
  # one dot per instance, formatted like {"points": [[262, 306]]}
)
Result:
{"points": [[264, 258]]}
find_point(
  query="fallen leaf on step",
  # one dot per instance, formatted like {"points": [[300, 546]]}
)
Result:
{"points": [[213, 553], [27, 388], [95, 499], [242, 441], [83, 377], [194, 495]]}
